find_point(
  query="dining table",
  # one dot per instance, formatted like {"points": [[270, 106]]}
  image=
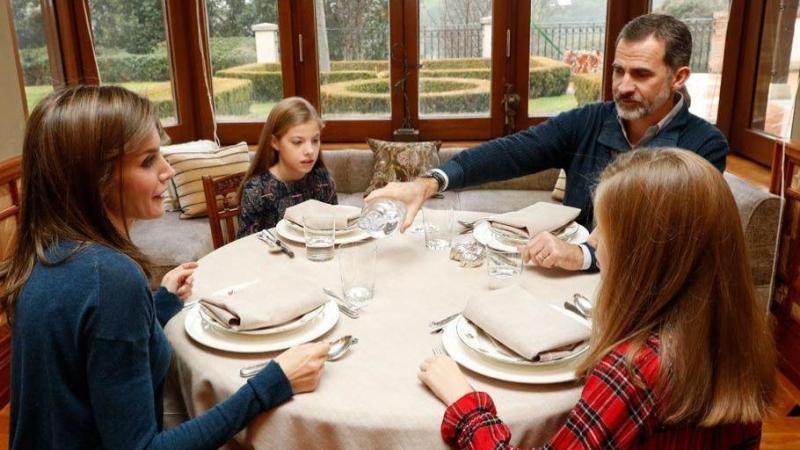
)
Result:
{"points": [[371, 397]]}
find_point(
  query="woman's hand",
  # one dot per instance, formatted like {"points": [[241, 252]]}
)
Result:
{"points": [[442, 376], [179, 280], [303, 365]]}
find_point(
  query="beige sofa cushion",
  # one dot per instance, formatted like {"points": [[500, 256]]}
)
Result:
{"points": [[191, 166]]}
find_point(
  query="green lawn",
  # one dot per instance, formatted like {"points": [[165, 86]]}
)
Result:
{"points": [[544, 106], [34, 94]]}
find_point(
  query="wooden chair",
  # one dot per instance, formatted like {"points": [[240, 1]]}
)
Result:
{"points": [[10, 172], [222, 205]]}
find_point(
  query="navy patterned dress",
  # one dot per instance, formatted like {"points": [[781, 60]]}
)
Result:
{"points": [[265, 198]]}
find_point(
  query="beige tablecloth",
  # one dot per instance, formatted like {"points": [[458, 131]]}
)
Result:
{"points": [[371, 398]]}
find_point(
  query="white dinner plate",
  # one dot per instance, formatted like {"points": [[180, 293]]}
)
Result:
{"points": [[240, 343], [288, 232], [339, 231], [483, 234], [553, 373], [480, 341], [288, 326]]}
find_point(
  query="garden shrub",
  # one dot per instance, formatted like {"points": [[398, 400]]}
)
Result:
{"points": [[35, 65], [481, 74], [457, 63], [438, 95], [266, 80], [231, 96], [548, 77], [122, 67], [371, 65], [587, 87]]}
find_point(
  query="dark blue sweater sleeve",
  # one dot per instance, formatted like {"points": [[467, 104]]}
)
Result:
{"points": [[529, 151], [167, 305], [121, 385]]}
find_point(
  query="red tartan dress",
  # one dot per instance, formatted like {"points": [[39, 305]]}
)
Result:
{"points": [[612, 413]]}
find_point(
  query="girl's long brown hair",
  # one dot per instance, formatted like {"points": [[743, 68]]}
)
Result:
{"points": [[74, 143], [285, 114], [677, 266]]}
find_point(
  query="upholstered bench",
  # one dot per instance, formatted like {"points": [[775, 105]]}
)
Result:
{"points": [[169, 241]]}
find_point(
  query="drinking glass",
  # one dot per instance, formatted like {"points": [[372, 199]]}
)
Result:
{"points": [[320, 234], [437, 221], [504, 268], [357, 270]]}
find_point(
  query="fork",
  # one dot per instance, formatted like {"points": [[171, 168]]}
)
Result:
{"points": [[273, 238], [345, 308], [438, 325]]}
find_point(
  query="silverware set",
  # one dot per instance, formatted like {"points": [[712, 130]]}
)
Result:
{"points": [[580, 305], [437, 325], [338, 349], [345, 307], [269, 237]]}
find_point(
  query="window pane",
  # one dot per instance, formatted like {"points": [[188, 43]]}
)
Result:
{"points": [[708, 21], [32, 50], [456, 55], [131, 50], [353, 43], [245, 58], [566, 63], [777, 74]]}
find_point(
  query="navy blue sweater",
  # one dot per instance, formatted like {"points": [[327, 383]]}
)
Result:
{"points": [[583, 142], [89, 360]]}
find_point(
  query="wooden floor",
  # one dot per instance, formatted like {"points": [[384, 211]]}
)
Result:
{"points": [[780, 431]]}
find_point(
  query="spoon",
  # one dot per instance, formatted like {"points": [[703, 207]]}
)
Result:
{"points": [[583, 304], [338, 348]]}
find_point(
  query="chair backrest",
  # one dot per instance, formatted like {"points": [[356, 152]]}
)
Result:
{"points": [[10, 173], [222, 204]]}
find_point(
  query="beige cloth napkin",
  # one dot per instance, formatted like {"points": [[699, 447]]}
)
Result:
{"points": [[256, 306], [344, 215], [532, 220], [522, 323]]}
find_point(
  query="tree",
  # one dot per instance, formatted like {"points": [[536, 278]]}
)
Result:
{"points": [[28, 23], [357, 29], [134, 26]]}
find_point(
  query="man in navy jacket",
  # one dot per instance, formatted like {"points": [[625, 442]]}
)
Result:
{"points": [[650, 109]]}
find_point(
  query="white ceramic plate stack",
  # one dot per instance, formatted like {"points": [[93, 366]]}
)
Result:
{"points": [[294, 233], [205, 330], [474, 349], [575, 233]]}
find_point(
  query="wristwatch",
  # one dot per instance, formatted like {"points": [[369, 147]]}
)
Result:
{"points": [[436, 175]]}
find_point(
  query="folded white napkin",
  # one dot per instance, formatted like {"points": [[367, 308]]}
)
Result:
{"points": [[344, 215], [524, 324], [532, 220], [256, 306]]}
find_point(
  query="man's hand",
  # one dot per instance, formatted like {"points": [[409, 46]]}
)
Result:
{"points": [[546, 250], [411, 193]]}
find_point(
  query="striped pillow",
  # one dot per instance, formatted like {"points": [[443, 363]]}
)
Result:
{"points": [[561, 186], [191, 166], [171, 200]]}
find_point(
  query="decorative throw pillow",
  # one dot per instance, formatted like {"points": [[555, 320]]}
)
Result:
{"points": [[190, 167], [203, 146], [561, 186], [401, 161]]}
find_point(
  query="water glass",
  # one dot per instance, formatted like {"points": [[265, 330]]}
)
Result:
{"points": [[437, 221], [357, 270], [320, 234], [504, 267]]}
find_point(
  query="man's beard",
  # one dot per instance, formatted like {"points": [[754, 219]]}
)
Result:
{"points": [[645, 107]]}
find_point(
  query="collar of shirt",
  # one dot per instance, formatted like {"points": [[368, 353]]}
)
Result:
{"points": [[653, 130]]}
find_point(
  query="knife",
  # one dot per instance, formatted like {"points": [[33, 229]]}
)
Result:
{"points": [[284, 248]]}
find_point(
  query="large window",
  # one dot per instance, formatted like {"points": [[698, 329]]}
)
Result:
{"points": [[708, 21], [778, 64], [353, 50], [244, 46], [131, 50], [455, 48], [36, 70], [566, 55]]}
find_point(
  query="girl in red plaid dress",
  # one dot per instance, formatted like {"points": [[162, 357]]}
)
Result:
{"points": [[681, 355]]}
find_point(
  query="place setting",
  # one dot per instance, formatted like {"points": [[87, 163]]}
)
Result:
{"points": [[321, 225], [252, 318], [506, 232], [510, 335]]}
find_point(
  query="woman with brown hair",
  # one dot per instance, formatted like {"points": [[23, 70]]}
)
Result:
{"points": [[681, 355], [89, 354], [287, 168]]}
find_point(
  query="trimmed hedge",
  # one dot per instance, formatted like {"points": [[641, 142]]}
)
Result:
{"points": [[124, 67], [372, 66], [548, 77], [456, 63], [587, 87], [438, 95], [481, 74], [231, 96]]}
